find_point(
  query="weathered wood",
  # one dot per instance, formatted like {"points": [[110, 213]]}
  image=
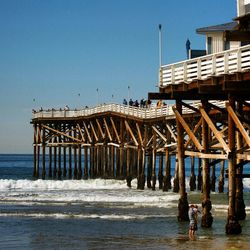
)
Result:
{"points": [[206, 156], [240, 208], [35, 151], [75, 163], [167, 176], [214, 129], [192, 181], [183, 202], [188, 130], [43, 155], [50, 162], [55, 163], [154, 162], [160, 171], [232, 226], [70, 162], [239, 125], [79, 170], [207, 219], [221, 178]]}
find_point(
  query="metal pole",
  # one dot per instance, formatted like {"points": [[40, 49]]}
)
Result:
{"points": [[160, 55]]}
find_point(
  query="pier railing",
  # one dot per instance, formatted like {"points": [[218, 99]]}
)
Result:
{"points": [[143, 113], [226, 62]]}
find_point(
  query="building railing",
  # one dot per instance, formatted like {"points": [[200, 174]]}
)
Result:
{"points": [[143, 113], [226, 62]]}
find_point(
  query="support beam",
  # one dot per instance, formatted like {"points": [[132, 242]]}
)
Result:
{"points": [[232, 226], [183, 202]]}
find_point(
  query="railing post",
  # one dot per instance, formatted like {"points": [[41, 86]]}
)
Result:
{"points": [[213, 64], [185, 71], [239, 60], [199, 69], [172, 74], [226, 62]]}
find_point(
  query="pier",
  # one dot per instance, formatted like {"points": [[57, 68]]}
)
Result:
{"points": [[209, 122]]}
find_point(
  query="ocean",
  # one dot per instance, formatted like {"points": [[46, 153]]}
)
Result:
{"points": [[102, 214]]}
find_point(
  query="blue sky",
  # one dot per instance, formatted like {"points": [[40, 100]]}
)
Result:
{"points": [[53, 50]]}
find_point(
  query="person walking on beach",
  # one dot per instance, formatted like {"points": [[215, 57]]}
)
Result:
{"points": [[193, 218]]}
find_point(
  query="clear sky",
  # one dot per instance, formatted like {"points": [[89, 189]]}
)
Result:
{"points": [[53, 50]]}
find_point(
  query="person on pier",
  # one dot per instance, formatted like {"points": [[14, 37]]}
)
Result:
{"points": [[193, 218]]}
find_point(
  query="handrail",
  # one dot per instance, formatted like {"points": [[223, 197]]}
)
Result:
{"points": [[143, 113], [200, 68]]}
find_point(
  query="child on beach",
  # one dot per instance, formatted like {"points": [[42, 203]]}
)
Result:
{"points": [[193, 218]]}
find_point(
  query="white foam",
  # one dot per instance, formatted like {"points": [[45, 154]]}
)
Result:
{"points": [[85, 216], [82, 191], [30, 185]]}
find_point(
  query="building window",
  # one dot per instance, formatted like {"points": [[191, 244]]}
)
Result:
{"points": [[209, 45], [226, 45]]}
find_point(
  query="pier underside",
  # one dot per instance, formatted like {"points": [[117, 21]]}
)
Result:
{"points": [[220, 133]]}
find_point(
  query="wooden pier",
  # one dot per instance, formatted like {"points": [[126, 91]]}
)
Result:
{"points": [[220, 133], [124, 142]]}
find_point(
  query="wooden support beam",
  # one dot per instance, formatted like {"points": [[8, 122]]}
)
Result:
{"points": [[188, 130], [183, 202], [159, 133], [214, 129], [61, 133], [233, 86], [100, 129], [80, 131], [194, 131], [171, 132], [238, 124], [245, 157], [107, 129], [93, 130], [131, 133], [115, 130], [87, 131], [139, 133], [237, 35], [206, 156]]}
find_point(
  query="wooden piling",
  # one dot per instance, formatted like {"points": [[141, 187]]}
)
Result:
{"points": [[207, 219], [192, 181], [55, 163], [86, 164], [183, 202], [213, 178], [167, 176], [221, 178], [70, 162], [240, 208], [43, 155], [176, 186], [232, 226], [50, 162], [79, 170], [160, 171]]}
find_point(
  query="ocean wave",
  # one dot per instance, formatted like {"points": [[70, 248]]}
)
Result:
{"points": [[9, 184], [85, 216]]}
